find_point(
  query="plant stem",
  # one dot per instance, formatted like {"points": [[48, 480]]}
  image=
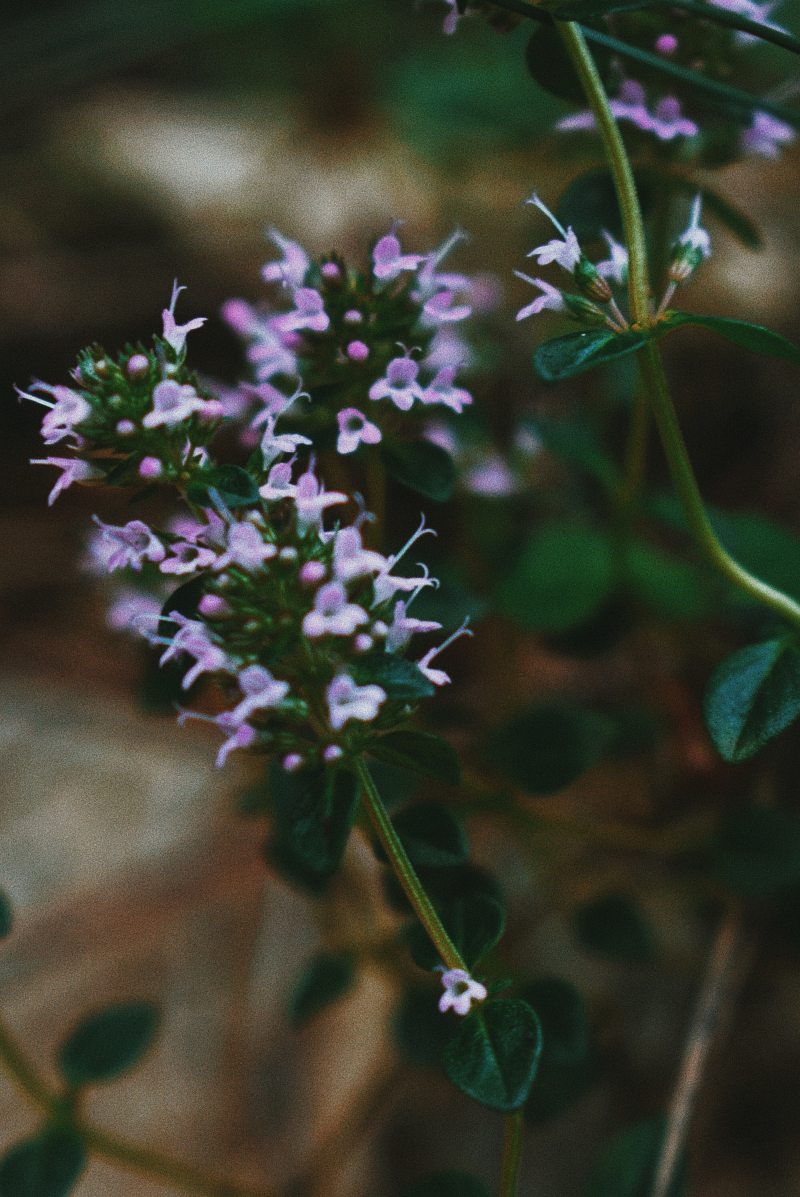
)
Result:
{"points": [[704, 1024], [621, 171], [512, 1155], [404, 871], [689, 493], [128, 1155]]}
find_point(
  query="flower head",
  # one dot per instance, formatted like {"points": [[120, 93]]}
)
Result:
{"points": [[550, 299], [354, 430], [291, 269], [72, 470], [399, 383], [389, 261], [460, 991], [347, 701], [175, 334]]}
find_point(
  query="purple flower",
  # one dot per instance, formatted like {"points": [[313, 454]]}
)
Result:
{"points": [[273, 445], [386, 584], [565, 251], [441, 308], [311, 499], [175, 334], [350, 558], [245, 547], [348, 701], [437, 676], [291, 269], [695, 238], [192, 638], [765, 135], [133, 611], [550, 299], [460, 991], [398, 384], [129, 545], [72, 470], [666, 121], [279, 483], [450, 22], [267, 351], [173, 403], [308, 313], [355, 429], [241, 735], [68, 410], [187, 558], [441, 390], [491, 477], [404, 626], [333, 615], [388, 260], [615, 266], [261, 692]]}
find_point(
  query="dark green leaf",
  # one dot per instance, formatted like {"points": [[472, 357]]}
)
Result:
{"points": [[550, 65], [48, 1165], [494, 1054], [233, 485], [671, 588], [419, 1028], [184, 600], [627, 1166], [432, 835], [420, 752], [474, 923], [326, 977], [422, 466], [546, 748], [400, 678], [314, 812], [757, 852], [564, 574], [6, 915], [448, 1184], [614, 926], [565, 357], [565, 1064], [575, 443], [754, 337], [752, 696], [108, 1043]]}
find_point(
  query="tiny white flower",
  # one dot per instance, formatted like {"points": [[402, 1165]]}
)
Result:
{"points": [[566, 251], [550, 299], [460, 991]]}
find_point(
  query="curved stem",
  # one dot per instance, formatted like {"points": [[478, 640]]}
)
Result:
{"points": [[404, 871], [621, 171], [128, 1155], [512, 1155]]}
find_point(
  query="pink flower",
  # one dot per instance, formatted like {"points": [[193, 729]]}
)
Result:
{"points": [[441, 390], [68, 410], [291, 268], [398, 384], [404, 626], [193, 639], [666, 121], [765, 135], [550, 299], [279, 483], [348, 701], [261, 690], [312, 500], [175, 334], [72, 470], [129, 545], [333, 615], [273, 445], [460, 991], [565, 251], [241, 735], [133, 611], [245, 547], [388, 260], [350, 558], [173, 403], [441, 308], [355, 429], [615, 266], [187, 558], [437, 676], [308, 313]]}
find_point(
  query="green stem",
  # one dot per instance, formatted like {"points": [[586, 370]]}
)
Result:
{"points": [[404, 871], [689, 493], [512, 1155], [128, 1155], [621, 171]]}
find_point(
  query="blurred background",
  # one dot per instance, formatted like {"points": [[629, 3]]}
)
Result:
{"points": [[144, 141]]}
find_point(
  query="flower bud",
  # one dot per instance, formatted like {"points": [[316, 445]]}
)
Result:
{"points": [[292, 762], [583, 309], [357, 351], [150, 467], [591, 281], [213, 606], [138, 366]]}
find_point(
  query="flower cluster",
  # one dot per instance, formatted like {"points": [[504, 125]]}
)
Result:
{"points": [[595, 303], [346, 349]]}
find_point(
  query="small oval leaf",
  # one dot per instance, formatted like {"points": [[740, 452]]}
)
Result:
{"points": [[108, 1043], [46, 1166], [494, 1054], [752, 697], [565, 357]]}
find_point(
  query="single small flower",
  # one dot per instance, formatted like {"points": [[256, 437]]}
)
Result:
{"points": [[65, 412], [240, 735], [129, 545], [72, 470], [666, 121], [450, 23], [399, 383], [347, 701], [766, 135], [460, 991], [312, 500], [193, 639], [441, 390], [173, 403], [350, 559], [279, 483], [615, 266], [291, 269], [308, 313], [274, 444], [187, 558], [135, 612], [175, 334], [565, 251], [332, 614], [550, 299], [386, 584], [246, 548], [404, 626], [692, 247], [261, 692], [389, 261], [669, 122], [442, 308], [354, 430], [437, 676]]}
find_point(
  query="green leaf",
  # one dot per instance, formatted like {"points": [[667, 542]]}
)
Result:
{"points": [[6, 915], [326, 977], [421, 466], [671, 588], [550, 65], [563, 576], [494, 1054], [546, 748], [448, 1184], [752, 696], [420, 752], [400, 678], [314, 813], [575, 442], [757, 852], [108, 1043], [626, 1167], [754, 337], [419, 1029], [48, 1165], [234, 486], [565, 357], [565, 1064], [474, 922], [432, 835], [615, 927]]}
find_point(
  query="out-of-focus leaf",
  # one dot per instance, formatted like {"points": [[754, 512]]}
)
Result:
{"points": [[752, 697], [563, 576]]}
